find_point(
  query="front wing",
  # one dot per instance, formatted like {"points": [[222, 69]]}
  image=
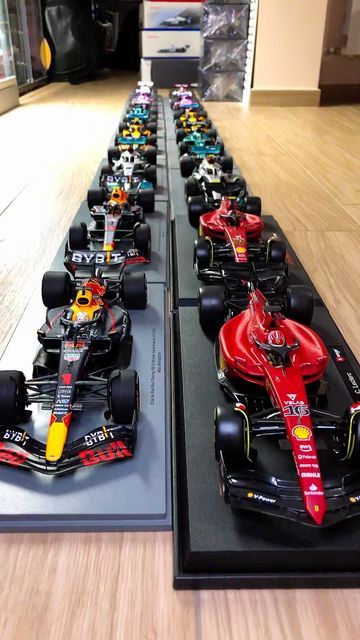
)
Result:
{"points": [[255, 491], [108, 443]]}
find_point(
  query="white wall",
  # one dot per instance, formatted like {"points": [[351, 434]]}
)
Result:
{"points": [[289, 44]]}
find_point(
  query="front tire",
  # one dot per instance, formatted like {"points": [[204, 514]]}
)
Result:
{"points": [[232, 436], [142, 239], [202, 254], [124, 396], [13, 397], [146, 200], [196, 206], [96, 197]]}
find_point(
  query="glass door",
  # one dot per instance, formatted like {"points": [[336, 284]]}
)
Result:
{"points": [[7, 68]]}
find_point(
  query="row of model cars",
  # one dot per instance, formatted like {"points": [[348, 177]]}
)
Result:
{"points": [[270, 363], [86, 342]]}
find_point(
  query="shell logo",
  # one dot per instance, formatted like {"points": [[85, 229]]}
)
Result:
{"points": [[240, 250], [301, 433], [250, 494], [352, 500]]}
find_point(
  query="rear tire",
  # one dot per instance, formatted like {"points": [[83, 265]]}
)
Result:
{"points": [[56, 289], [196, 206], [124, 396], [191, 187], [78, 237], [180, 135], [227, 164], [150, 174], [183, 148], [150, 155], [113, 154], [96, 197], [142, 239], [187, 166], [152, 139], [299, 303], [253, 205], [276, 251], [211, 307], [152, 126], [134, 292], [232, 437]]}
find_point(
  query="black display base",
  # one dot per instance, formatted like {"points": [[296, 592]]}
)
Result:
{"points": [[216, 546], [165, 72]]}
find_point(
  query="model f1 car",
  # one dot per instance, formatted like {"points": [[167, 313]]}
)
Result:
{"points": [[85, 349], [231, 253], [202, 141], [116, 218], [144, 114], [178, 21], [127, 168], [138, 133], [191, 126], [271, 367], [211, 189]]}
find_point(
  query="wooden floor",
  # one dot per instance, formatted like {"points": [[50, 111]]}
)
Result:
{"points": [[304, 162]]}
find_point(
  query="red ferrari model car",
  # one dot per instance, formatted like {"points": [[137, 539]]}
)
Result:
{"points": [[273, 363], [230, 252]]}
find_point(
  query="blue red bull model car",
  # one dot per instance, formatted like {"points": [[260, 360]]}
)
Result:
{"points": [[83, 361], [271, 368]]}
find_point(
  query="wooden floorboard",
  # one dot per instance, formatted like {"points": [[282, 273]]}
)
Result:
{"points": [[304, 162]]}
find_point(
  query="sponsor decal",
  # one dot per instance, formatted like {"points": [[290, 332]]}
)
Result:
{"points": [[306, 447], [346, 371], [260, 498], [15, 459], [313, 487], [301, 432], [354, 499], [309, 474], [293, 407], [66, 378], [304, 456], [240, 249], [72, 356], [114, 450], [95, 437]]}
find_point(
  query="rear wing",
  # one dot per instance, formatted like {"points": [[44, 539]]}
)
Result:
{"points": [[131, 141], [208, 150], [92, 260]]}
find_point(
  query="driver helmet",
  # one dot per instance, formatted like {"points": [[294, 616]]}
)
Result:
{"points": [[276, 339], [118, 196]]}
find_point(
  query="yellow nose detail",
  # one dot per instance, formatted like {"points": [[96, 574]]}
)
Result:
{"points": [[57, 435]]}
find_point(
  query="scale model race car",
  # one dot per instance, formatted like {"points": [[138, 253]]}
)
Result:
{"points": [[135, 134], [211, 189], [144, 100], [133, 123], [144, 114], [179, 90], [126, 169], [206, 170], [182, 103], [115, 219], [190, 119], [191, 126], [145, 152], [271, 367], [230, 252], [178, 21], [174, 49], [85, 351]]}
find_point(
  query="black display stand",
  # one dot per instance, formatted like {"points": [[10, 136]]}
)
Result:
{"points": [[216, 546]]}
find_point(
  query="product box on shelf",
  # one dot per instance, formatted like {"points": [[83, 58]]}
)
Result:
{"points": [[171, 15], [170, 43]]}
